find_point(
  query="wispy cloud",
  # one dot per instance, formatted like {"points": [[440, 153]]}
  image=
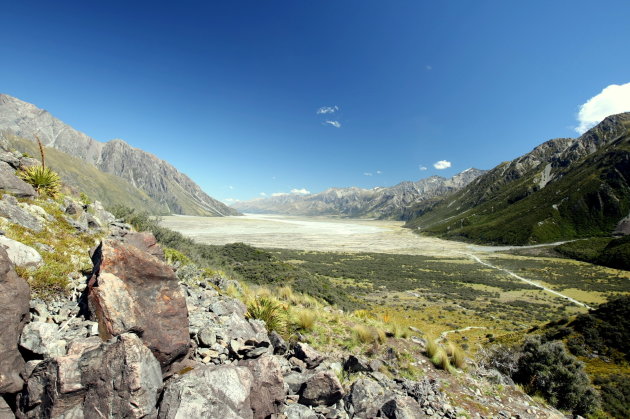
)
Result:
{"points": [[279, 194], [230, 200], [613, 99], [335, 124], [367, 174], [327, 109], [422, 168], [378, 172], [230, 187], [262, 194], [442, 164]]}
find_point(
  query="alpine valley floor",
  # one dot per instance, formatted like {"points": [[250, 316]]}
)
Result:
{"points": [[471, 294]]}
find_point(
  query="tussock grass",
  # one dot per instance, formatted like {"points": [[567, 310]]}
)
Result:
{"points": [[305, 319], [270, 311]]}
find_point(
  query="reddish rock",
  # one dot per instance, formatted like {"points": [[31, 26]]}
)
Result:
{"points": [[146, 242], [267, 393], [14, 306], [133, 291]]}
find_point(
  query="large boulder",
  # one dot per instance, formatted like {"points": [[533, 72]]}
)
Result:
{"points": [[209, 392], [43, 339], [402, 407], [267, 393], [321, 389], [304, 352], [120, 378], [14, 307], [21, 254], [366, 397], [146, 242], [11, 210], [131, 290], [12, 184]]}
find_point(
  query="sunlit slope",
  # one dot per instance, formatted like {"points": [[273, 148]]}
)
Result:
{"points": [[563, 189]]}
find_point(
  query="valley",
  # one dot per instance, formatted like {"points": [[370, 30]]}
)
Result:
{"points": [[473, 293]]}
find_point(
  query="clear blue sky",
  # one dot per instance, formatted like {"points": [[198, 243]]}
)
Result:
{"points": [[228, 91]]}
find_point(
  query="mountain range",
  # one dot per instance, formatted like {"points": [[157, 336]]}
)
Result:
{"points": [[169, 190], [380, 202], [563, 189]]}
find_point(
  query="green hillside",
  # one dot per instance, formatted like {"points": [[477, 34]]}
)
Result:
{"points": [[84, 177], [587, 195]]}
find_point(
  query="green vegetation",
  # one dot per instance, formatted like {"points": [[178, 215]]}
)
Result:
{"points": [[78, 175], [45, 181], [605, 251], [585, 199], [270, 311]]}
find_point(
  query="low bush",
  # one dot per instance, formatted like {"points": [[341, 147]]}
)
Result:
{"points": [[44, 180], [271, 312]]}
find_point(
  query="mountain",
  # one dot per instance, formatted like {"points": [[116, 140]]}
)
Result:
{"points": [[387, 202], [173, 190], [563, 189]]}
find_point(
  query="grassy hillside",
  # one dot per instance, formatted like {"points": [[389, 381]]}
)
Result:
{"points": [[84, 177], [586, 198]]}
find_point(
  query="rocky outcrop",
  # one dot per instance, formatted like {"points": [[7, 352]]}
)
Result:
{"points": [[12, 184], [118, 378], [221, 391], [14, 308], [133, 291], [156, 177], [12, 211], [267, 394]]}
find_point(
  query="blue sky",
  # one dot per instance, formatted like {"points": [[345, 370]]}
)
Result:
{"points": [[229, 91]]}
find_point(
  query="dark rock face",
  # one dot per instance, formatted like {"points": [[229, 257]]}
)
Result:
{"points": [[321, 389], [310, 356], [12, 184], [267, 392], [209, 392], [14, 307], [402, 407], [131, 290], [120, 378]]}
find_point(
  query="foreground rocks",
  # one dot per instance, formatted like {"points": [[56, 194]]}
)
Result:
{"points": [[133, 291], [14, 308]]}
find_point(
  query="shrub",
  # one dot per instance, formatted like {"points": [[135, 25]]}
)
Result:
{"points": [[305, 319], [42, 179], [547, 368], [173, 256], [615, 391], [269, 311]]}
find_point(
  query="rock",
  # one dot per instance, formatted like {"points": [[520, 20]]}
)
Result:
{"points": [[105, 217], [623, 227], [402, 407], [206, 337], [10, 210], [131, 290], [295, 381], [10, 158], [310, 356], [29, 162], [14, 313], [280, 347], [43, 339], [119, 378], [366, 396], [21, 254], [222, 306], [12, 184], [299, 411], [322, 388], [146, 242], [209, 391], [267, 393], [355, 364]]}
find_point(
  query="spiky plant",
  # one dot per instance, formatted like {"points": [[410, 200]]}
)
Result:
{"points": [[269, 311], [44, 180]]}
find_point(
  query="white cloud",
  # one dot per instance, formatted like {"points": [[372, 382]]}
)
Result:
{"points": [[300, 191], [613, 99], [262, 194], [367, 174], [327, 109], [230, 200], [423, 168], [279, 194], [378, 172], [335, 124], [441, 165]]}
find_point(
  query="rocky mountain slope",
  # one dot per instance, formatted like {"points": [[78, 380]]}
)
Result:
{"points": [[157, 178], [386, 202], [565, 188]]}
